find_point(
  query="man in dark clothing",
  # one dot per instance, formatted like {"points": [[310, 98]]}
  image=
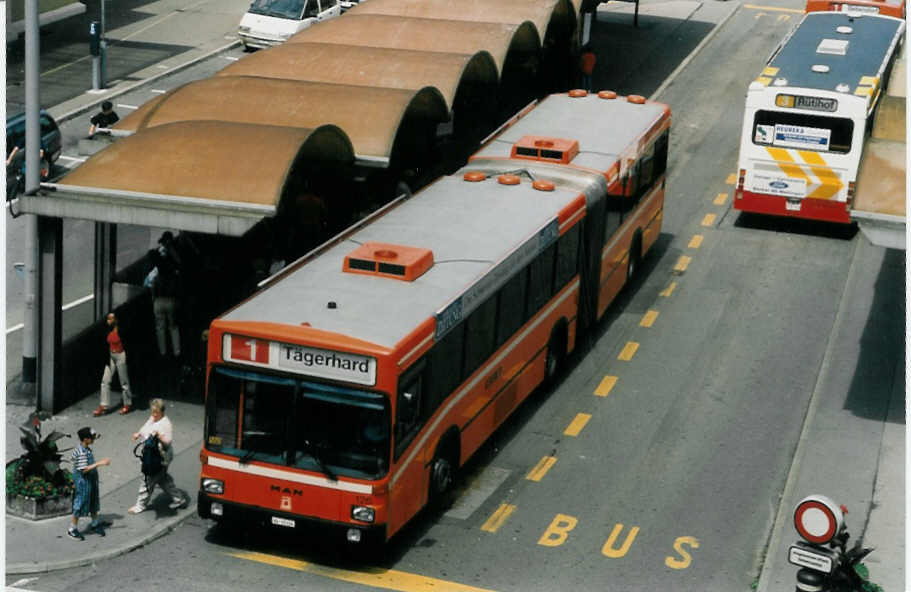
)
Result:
{"points": [[165, 292], [105, 119]]}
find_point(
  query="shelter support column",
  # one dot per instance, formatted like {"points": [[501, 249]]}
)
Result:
{"points": [[50, 275], [105, 266]]}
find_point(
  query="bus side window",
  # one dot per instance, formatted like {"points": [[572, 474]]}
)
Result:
{"points": [[646, 170], [612, 224], [631, 184], [408, 415], [480, 334], [511, 306], [661, 153], [541, 280], [445, 367], [567, 256]]}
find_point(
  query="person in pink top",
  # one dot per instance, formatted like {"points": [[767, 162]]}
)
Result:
{"points": [[117, 363]]}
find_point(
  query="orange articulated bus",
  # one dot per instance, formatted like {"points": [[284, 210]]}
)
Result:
{"points": [[348, 391], [894, 8]]}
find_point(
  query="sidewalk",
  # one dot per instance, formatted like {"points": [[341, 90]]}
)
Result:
{"points": [[39, 546], [852, 448]]}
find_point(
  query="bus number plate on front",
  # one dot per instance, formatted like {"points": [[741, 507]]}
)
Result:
{"points": [[278, 521]]}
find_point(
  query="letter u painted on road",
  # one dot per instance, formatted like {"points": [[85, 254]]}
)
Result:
{"points": [[558, 531], [610, 550]]}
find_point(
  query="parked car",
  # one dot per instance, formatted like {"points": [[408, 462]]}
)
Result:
{"points": [[271, 22], [50, 134]]}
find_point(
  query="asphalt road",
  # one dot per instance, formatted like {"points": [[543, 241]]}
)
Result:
{"points": [[673, 482]]}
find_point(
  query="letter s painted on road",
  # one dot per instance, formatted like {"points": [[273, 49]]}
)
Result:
{"points": [[685, 558]]}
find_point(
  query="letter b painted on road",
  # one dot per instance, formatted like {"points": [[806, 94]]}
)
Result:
{"points": [[558, 531]]}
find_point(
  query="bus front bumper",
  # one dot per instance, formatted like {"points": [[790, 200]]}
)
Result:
{"points": [[231, 512]]}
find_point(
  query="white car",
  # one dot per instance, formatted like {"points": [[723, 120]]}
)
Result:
{"points": [[271, 22]]}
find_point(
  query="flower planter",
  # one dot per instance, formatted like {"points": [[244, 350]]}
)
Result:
{"points": [[39, 509]]}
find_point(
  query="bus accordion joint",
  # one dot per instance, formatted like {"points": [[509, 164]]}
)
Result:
{"points": [[387, 260]]}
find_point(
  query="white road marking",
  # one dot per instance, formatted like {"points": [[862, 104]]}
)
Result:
{"points": [[73, 158], [231, 58], [128, 106], [158, 91]]}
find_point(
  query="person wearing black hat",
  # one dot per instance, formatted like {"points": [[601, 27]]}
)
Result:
{"points": [[86, 497]]}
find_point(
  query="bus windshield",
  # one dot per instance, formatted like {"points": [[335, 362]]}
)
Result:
{"points": [[287, 9], [282, 420]]}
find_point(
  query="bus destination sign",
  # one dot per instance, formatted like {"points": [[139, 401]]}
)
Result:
{"points": [[815, 103], [300, 359]]}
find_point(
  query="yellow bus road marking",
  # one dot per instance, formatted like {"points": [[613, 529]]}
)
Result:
{"points": [[576, 425], [607, 384], [539, 470], [779, 9], [682, 263], [669, 290], [387, 579], [497, 519], [708, 220], [732, 178], [695, 242], [720, 199], [648, 319], [628, 351]]}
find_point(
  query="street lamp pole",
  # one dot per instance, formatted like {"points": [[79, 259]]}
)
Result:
{"points": [[31, 319]]}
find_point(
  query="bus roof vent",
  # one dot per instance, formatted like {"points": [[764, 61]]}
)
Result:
{"points": [[833, 47], [544, 149], [387, 260]]}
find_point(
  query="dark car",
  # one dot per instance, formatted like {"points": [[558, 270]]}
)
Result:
{"points": [[50, 134]]}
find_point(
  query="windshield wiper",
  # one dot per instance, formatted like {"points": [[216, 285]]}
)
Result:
{"points": [[312, 451]]}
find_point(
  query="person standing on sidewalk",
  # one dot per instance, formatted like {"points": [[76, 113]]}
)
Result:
{"points": [[117, 364], [159, 426], [165, 292], [587, 67], [86, 496]]}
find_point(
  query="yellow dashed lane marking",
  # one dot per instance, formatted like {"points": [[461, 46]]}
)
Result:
{"points": [[388, 579], [628, 351], [648, 319], [576, 425], [539, 470], [669, 290], [607, 384], [720, 199], [682, 263], [708, 220], [497, 519], [732, 178], [695, 242], [779, 9]]}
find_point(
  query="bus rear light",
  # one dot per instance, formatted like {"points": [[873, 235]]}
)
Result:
{"points": [[741, 178], [363, 513], [851, 188]]}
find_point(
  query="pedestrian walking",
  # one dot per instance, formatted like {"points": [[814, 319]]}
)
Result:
{"points": [[587, 66], [117, 364], [105, 119], [158, 426], [164, 281], [86, 495]]}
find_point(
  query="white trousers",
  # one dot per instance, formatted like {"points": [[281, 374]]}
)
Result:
{"points": [[116, 364]]}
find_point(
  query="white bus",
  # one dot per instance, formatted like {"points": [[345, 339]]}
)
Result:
{"points": [[807, 115]]}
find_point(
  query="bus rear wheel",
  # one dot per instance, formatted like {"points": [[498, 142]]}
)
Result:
{"points": [[556, 353], [635, 257]]}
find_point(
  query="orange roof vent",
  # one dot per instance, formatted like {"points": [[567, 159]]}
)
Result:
{"points": [[558, 150], [387, 260]]}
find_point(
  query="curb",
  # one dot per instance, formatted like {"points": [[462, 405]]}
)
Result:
{"points": [[692, 55], [782, 514], [121, 91], [164, 528]]}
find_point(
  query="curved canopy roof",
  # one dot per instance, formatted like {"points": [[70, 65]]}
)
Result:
{"points": [[371, 67], [370, 116], [540, 12], [424, 34]]}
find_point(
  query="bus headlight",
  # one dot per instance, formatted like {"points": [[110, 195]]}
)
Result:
{"points": [[363, 513], [213, 486]]}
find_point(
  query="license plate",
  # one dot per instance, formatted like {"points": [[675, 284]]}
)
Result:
{"points": [[793, 206], [278, 521]]}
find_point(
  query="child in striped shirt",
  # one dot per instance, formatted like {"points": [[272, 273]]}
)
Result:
{"points": [[86, 497]]}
